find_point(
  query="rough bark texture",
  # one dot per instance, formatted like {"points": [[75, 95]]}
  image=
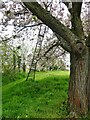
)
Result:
{"points": [[88, 75], [78, 99], [88, 79]]}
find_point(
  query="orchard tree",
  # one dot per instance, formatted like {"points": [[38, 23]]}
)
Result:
{"points": [[25, 28], [77, 44]]}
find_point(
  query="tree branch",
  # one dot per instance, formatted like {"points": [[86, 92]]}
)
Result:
{"points": [[63, 43], [77, 27], [50, 57], [8, 39], [76, 6], [50, 48], [29, 26], [52, 23]]}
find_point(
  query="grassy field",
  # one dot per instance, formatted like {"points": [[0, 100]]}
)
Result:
{"points": [[46, 97]]}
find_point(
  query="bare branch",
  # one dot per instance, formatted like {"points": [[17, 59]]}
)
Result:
{"points": [[50, 48], [8, 39], [29, 26]]}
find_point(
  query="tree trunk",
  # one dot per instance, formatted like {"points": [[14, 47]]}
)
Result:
{"points": [[14, 61], [19, 63], [88, 79], [24, 67], [78, 92]]}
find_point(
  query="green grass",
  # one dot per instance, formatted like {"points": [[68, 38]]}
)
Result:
{"points": [[10, 76], [46, 97]]}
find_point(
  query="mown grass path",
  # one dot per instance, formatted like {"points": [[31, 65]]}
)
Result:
{"points": [[39, 76]]}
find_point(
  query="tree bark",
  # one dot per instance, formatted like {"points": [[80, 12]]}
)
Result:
{"points": [[88, 75], [78, 97]]}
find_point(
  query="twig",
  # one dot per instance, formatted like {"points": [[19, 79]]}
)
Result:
{"points": [[29, 26]]}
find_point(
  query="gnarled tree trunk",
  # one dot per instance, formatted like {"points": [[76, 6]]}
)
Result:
{"points": [[79, 84]]}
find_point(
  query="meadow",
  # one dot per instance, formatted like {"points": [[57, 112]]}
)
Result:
{"points": [[44, 97]]}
